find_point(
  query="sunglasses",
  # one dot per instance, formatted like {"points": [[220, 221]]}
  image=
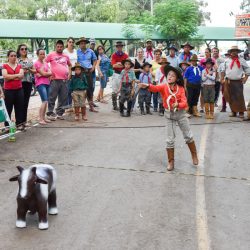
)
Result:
{"points": [[24, 49]]}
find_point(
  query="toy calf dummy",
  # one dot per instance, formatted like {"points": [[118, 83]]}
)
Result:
{"points": [[37, 191]]}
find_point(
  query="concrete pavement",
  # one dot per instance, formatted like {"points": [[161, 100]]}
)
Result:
{"points": [[114, 192]]}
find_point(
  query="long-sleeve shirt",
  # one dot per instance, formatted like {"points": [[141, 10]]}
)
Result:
{"points": [[208, 77], [193, 74], [236, 73], [164, 90], [78, 83]]}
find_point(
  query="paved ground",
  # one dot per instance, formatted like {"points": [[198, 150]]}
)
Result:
{"points": [[114, 192]]}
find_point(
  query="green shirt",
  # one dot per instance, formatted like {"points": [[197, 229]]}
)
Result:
{"points": [[78, 83]]}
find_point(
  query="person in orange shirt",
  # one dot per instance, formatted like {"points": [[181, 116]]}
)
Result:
{"points": [[175, 104]]}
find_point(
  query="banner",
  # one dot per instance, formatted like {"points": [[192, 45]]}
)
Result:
{"points": [[242, 26]]}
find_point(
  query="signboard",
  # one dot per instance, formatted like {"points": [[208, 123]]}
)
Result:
{"points": [[242, 26]]}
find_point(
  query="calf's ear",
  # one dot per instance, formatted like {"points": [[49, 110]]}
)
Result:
{"points": [[41, 181], [20, 169], [14, 178]]}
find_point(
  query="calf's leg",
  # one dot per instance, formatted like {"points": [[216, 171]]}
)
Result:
{"points": [[52, 203]]}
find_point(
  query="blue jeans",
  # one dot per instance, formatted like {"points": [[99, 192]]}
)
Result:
{"points": [[104, 80], [43, 90], [155, 100], [69, 103]]}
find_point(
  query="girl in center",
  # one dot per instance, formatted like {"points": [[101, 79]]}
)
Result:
{"points": [[175, 104]]}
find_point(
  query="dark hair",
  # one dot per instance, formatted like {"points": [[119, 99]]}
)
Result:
{"points": [[70, 38], [60, 42], [38, 50], [216, 48], [208, 50], [100, 46], [18, 49], [157, 50], [10, 51]]}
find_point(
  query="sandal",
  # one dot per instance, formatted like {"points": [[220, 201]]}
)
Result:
{"points": [[42, 122]]}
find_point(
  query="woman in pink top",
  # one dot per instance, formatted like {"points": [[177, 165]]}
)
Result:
{"points": [[42, 84]]}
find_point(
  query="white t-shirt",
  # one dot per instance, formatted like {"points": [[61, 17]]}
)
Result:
{"points": [[72, 56], [159, 77]]}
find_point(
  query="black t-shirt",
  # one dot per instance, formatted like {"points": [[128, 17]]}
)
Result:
{"points": [[138, 66]]}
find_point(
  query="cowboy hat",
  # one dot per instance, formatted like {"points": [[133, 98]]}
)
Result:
{"points": [[163, 60], [160, 46], [148, 41], [184, 62], [128, 60], [234, 48], [77, 65], [187, 44], [171, 46], [92, 41], [119, 43], [146, 64], [82, 39], [209, 60], [178, 73], [194, 57]]}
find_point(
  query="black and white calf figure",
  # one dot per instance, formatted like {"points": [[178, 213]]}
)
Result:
{"points": [[37, 193]]}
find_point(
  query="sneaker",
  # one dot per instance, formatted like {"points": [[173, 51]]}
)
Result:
{"points": [[60, 117], [52, 117]]}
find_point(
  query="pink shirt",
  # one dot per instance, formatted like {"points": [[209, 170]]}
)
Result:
{"points": [[59, 65], [41, 79], [203, 60]]}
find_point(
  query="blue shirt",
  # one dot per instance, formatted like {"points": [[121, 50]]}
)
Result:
{"points": [[181, 57], [86, 58], [193, 74], [145, 78], [104, 63]]}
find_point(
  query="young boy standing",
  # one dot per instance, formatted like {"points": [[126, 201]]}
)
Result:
{"points": [[192, 78], [127, 82], [79, 85], [144, 94], [208, 82]]}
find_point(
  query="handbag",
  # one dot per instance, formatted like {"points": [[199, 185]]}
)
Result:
{"points": [[110, 71]]}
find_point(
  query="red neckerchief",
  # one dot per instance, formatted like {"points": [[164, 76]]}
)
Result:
{"points": [[207, 71], [163, 75], [149, 52], [144, 74], [125, 75], [235, 60], [186, 56]]}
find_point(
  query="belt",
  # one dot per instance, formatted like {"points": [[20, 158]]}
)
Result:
{"points": [[208, 86]]}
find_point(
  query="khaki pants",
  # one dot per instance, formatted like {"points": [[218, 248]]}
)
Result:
{"points": [[179, 118], [79, 98]]}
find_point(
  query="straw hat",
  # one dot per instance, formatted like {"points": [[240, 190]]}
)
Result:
{"points": [[234, 48], [187, 44], [77, 65], [164, 60]]}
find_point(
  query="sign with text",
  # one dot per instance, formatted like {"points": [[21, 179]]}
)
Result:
{"points": [[242, 26]]}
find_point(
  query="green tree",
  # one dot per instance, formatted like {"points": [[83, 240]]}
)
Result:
{"points": [[245, 5]]}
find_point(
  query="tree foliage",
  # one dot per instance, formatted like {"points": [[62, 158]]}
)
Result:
{"points": [[177, 19]]}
